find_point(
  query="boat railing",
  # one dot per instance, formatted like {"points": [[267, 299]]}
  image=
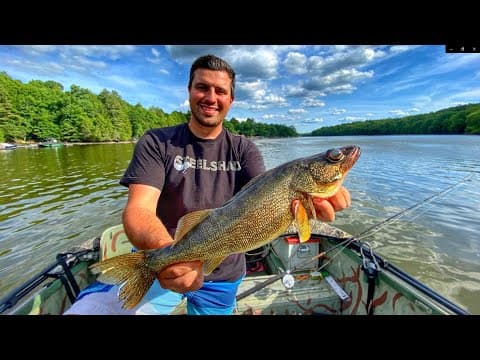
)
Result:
{"points": [[59, 269], [358, 246]]}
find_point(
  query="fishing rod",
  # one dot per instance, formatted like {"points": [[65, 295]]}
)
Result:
{"points": [[391, 219], [346, 242]]}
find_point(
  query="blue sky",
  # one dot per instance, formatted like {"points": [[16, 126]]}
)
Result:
{"points": [[301, 85]]}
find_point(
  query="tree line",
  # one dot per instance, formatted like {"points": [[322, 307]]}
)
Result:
{"points": [[40, 110], [463, 119]]}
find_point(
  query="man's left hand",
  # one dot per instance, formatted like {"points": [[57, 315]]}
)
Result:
{"points": [[326, 208]]}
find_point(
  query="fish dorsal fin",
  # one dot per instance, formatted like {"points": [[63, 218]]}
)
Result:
{"points": [[188, 221], [302, 220], [210, 264]]}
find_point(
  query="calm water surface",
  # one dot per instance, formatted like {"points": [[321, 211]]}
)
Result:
{"points": [[52, 199]]}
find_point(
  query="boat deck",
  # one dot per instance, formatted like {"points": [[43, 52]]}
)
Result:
{"points": [[308, 297]]}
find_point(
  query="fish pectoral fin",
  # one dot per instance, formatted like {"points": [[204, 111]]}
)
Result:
{"points": [[188, 221], [211, 264], [302, 220]]}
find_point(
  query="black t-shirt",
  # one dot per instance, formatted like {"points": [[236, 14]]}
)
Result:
{"points": [[194, 174]]}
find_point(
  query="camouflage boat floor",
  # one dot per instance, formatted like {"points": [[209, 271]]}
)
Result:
{"points": [[306, 297]]}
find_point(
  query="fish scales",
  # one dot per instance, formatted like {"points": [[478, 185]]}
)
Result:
{"points": [[260, 212], [229, 228]]}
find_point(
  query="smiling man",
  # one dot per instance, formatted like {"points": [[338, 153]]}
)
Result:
{"points": [[179, 169]]}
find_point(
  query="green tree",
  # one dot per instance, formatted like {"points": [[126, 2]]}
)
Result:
{"points": [[10, 122], [117, 114], [473, 123]]}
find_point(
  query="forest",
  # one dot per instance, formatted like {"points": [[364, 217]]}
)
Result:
{"points": [[41, 110], [463, 119]]}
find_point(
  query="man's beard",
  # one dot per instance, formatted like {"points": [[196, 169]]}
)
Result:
{"points": [[208, 122]]}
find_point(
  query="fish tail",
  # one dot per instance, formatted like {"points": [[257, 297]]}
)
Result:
{"points": [[131, 272]]}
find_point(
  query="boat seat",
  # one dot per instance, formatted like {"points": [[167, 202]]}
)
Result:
{"points": [[114, 242]]}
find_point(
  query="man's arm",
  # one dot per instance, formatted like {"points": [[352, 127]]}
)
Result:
{"points": [[146, 231], [142, 226]]}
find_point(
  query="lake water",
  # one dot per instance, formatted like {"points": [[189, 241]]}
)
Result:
{"points": [[54, 198]]}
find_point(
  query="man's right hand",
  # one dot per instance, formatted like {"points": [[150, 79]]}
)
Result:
{"points": [[182, 277]]}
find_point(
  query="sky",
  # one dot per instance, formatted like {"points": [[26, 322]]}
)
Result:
{"points": [[305, 86]]}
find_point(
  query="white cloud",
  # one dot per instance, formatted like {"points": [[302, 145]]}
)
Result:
{"points": [[155, 52], [398, 113], [337, 82], [295, 63], [312, 102], [396, 49], [335, 111], [312, 121], [132, 83], [259, 64], [353, 118], [297, 111]]}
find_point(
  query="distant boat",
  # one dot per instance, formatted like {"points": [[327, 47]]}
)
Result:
{"points": [[7, 146], [50, 143]]}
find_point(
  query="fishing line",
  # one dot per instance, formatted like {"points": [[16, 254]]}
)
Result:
{"points": [[390, 220], [378, 226]]}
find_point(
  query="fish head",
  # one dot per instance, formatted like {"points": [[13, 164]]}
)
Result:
{"points": [[322, 174]]}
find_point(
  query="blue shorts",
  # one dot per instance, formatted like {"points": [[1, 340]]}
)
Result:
{"points": [[213, 298]]}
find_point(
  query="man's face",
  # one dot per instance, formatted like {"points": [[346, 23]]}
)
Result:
{"points": [[210, 97]]}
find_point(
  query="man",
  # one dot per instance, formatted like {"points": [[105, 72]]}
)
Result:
{"points": [[184, 168]]}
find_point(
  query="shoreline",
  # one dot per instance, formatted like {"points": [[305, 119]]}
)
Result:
{"points": [[36, 145]]}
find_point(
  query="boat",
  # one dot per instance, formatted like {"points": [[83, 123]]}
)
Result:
{"points": [[332, 273], [7, 146], [50, 143]]}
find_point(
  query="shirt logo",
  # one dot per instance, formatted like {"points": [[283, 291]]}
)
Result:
{"points": [[184, 163], [180, 164]]}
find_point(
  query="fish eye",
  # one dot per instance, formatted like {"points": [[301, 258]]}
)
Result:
{"points": [[335, 155]]}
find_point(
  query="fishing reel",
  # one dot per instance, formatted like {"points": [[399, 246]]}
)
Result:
{"points": [[288, 280], [370, 265]]}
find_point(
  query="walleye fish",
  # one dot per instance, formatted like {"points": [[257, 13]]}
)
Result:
{"points": [[260, 212]]}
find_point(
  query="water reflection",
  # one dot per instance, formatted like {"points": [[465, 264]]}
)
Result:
{"points": [[52, 199]]}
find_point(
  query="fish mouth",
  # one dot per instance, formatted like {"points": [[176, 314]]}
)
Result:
{"points": [[351, 153], [356, 152]]}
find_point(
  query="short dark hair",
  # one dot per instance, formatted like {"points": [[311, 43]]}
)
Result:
{"points": [[212, 62]]}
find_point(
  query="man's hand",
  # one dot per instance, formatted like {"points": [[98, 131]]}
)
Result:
{"points": [[182, 277], [326, 208]]}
